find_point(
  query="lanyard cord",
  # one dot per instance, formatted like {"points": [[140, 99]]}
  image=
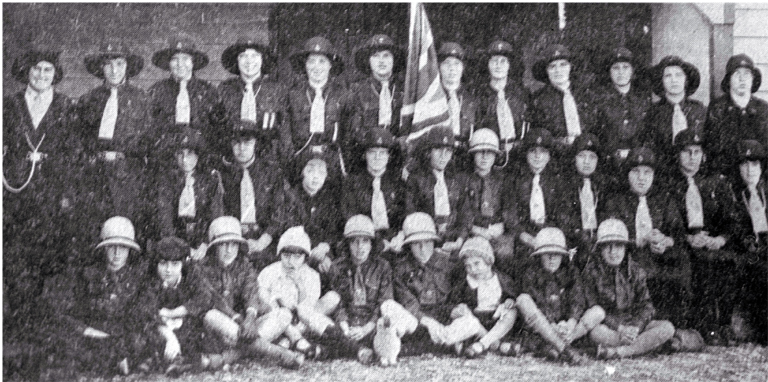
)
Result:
{"points": [[34, 157]]}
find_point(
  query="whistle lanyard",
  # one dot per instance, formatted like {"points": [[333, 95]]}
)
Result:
{"points": [[34, 156]]}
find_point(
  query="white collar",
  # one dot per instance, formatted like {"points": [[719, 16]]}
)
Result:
{"points": [[34, 94], [741, 102]]}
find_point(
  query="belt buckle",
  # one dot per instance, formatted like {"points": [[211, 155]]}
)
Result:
{"points": [[36, 156], [317, 149]]}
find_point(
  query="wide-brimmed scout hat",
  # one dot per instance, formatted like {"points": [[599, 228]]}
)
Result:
{"points": [[294, 239], [317, 45], [230, 54], [375, 44], [612, 231], [477, 246], [484, 140], [688, 137], [359, 226], [620, 54], [110, 50], [640, 156], [244, 129], [741, 61], [537, 137], [419, 226], [503, 48], [22, 64], [180, 44], [552, 53], [451, 49], [586, 141], [225, 229], [692, 76], [377, 137], [171, 248], [750, 150], [550, 241], [118, 230], [438, 137]]}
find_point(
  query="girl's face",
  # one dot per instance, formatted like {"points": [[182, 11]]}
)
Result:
{"points": [[169, 271], [318, 68], [477, 268], [559, 72], [741, 82], [314, 175], [484, 160], [249, 62], [613, 253], [621, 73], [117, 256], [382, 64], [187, 160], [673, 80], [377, 159], [586, 162], [181, 66], [244, 149], [41, 76], [551, 262], [691, 158], [750, 172], [360, 248], [498, 66], [537, 158], [440, 157], [641, 180], [227, 252], [422, 250], [292, 261], [114, 70], [451, 70]]}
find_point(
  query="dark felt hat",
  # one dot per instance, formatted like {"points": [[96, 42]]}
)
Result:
{"points": [[184, 136], [439, 137], [640, 156], [109, 50], [230, 54], [692, 76], [552, 53], [688, 137], [537, 137], [244, 129], [586, 141], [181, 44], [750, 150], [620, 54], [324, 153], [171, 248], [375, 44], [377, 137], [503, 48], [741, 61], [317, 45], [21, 66], [451, 49]]}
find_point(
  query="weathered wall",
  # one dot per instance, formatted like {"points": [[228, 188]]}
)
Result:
{"points": [[750, 36]]}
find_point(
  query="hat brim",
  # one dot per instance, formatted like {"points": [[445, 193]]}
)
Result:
{"points": [[421, 236], [516, 64], [363, 55], [539, 69], [229, 57], [228, 238], [692, 77], [359, 234], [121, 241], [757, 80], [612, 240], [94, 63], [21, 66], [484, 148], [162, 58], [550, 250], [299, 59]]}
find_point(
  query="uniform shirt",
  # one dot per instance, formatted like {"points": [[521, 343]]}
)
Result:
{"points": [[657, 132], [301, 289], [233, 289], [319, 214], [620, 117], [468, 119], [572, 224], [745, 232], [546, 109], [517, 214], [377, 277], [465, 292], [104, 299], [486, 195], [207, 206], [727, 124], [559, 295], [270, 112], [357, 193], [362, 108], [420, 197], [487, 97], [717, 201], [423, 289], [621, 291], [295, 134], [189, 292]]}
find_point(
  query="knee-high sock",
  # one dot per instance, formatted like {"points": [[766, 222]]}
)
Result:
{"points": [[463, 328], [589, 320], [261, 347], [499, 329], [656, 334], [537, 321], [315, 321]]}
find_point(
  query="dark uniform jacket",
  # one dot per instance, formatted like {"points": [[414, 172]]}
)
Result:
{"points": [[559, 295], [461, 292], [362, 105], [517, 213], [269, 196], [619, 117], [232, 289], [486, 195], [377, 274], [189, 293], [571, 223], [358, 192], [298, 103], [665, 216], [319, 214], [727, 124], [269, 97], [420, 197], [517, 97], [468, 121], [546, 109], [717, 200], [423, 289], [207, 206], [104, 300], [621, 291], [205, 109], [755, 245], [657, 132]]}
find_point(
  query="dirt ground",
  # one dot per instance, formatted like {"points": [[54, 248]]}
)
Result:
{"points": [[743, 363]]}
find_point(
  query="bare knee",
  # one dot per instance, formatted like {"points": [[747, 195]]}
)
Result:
{"points": [[328, 303]]}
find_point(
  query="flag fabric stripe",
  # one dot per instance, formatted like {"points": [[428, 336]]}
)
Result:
{"points": [[425, 105]]}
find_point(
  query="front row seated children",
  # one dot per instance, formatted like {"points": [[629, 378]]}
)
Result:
{"points": [[292, 285], [103, 298], [363, 280], [237, 322], [170, 308], [487, 294], [422, 283], [552, 301], [616, 283], [751, 194]]}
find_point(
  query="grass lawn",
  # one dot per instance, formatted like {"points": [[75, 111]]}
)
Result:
{"points": [[743, 363]]}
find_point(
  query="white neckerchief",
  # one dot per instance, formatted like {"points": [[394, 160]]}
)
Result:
{"points": [[536, 204], [248, 104], [588, 206], [442, 203], [183, 108], [385, 105], [643, 222], [109, 117], [693, 204], [317, 112], [187, 198]]}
